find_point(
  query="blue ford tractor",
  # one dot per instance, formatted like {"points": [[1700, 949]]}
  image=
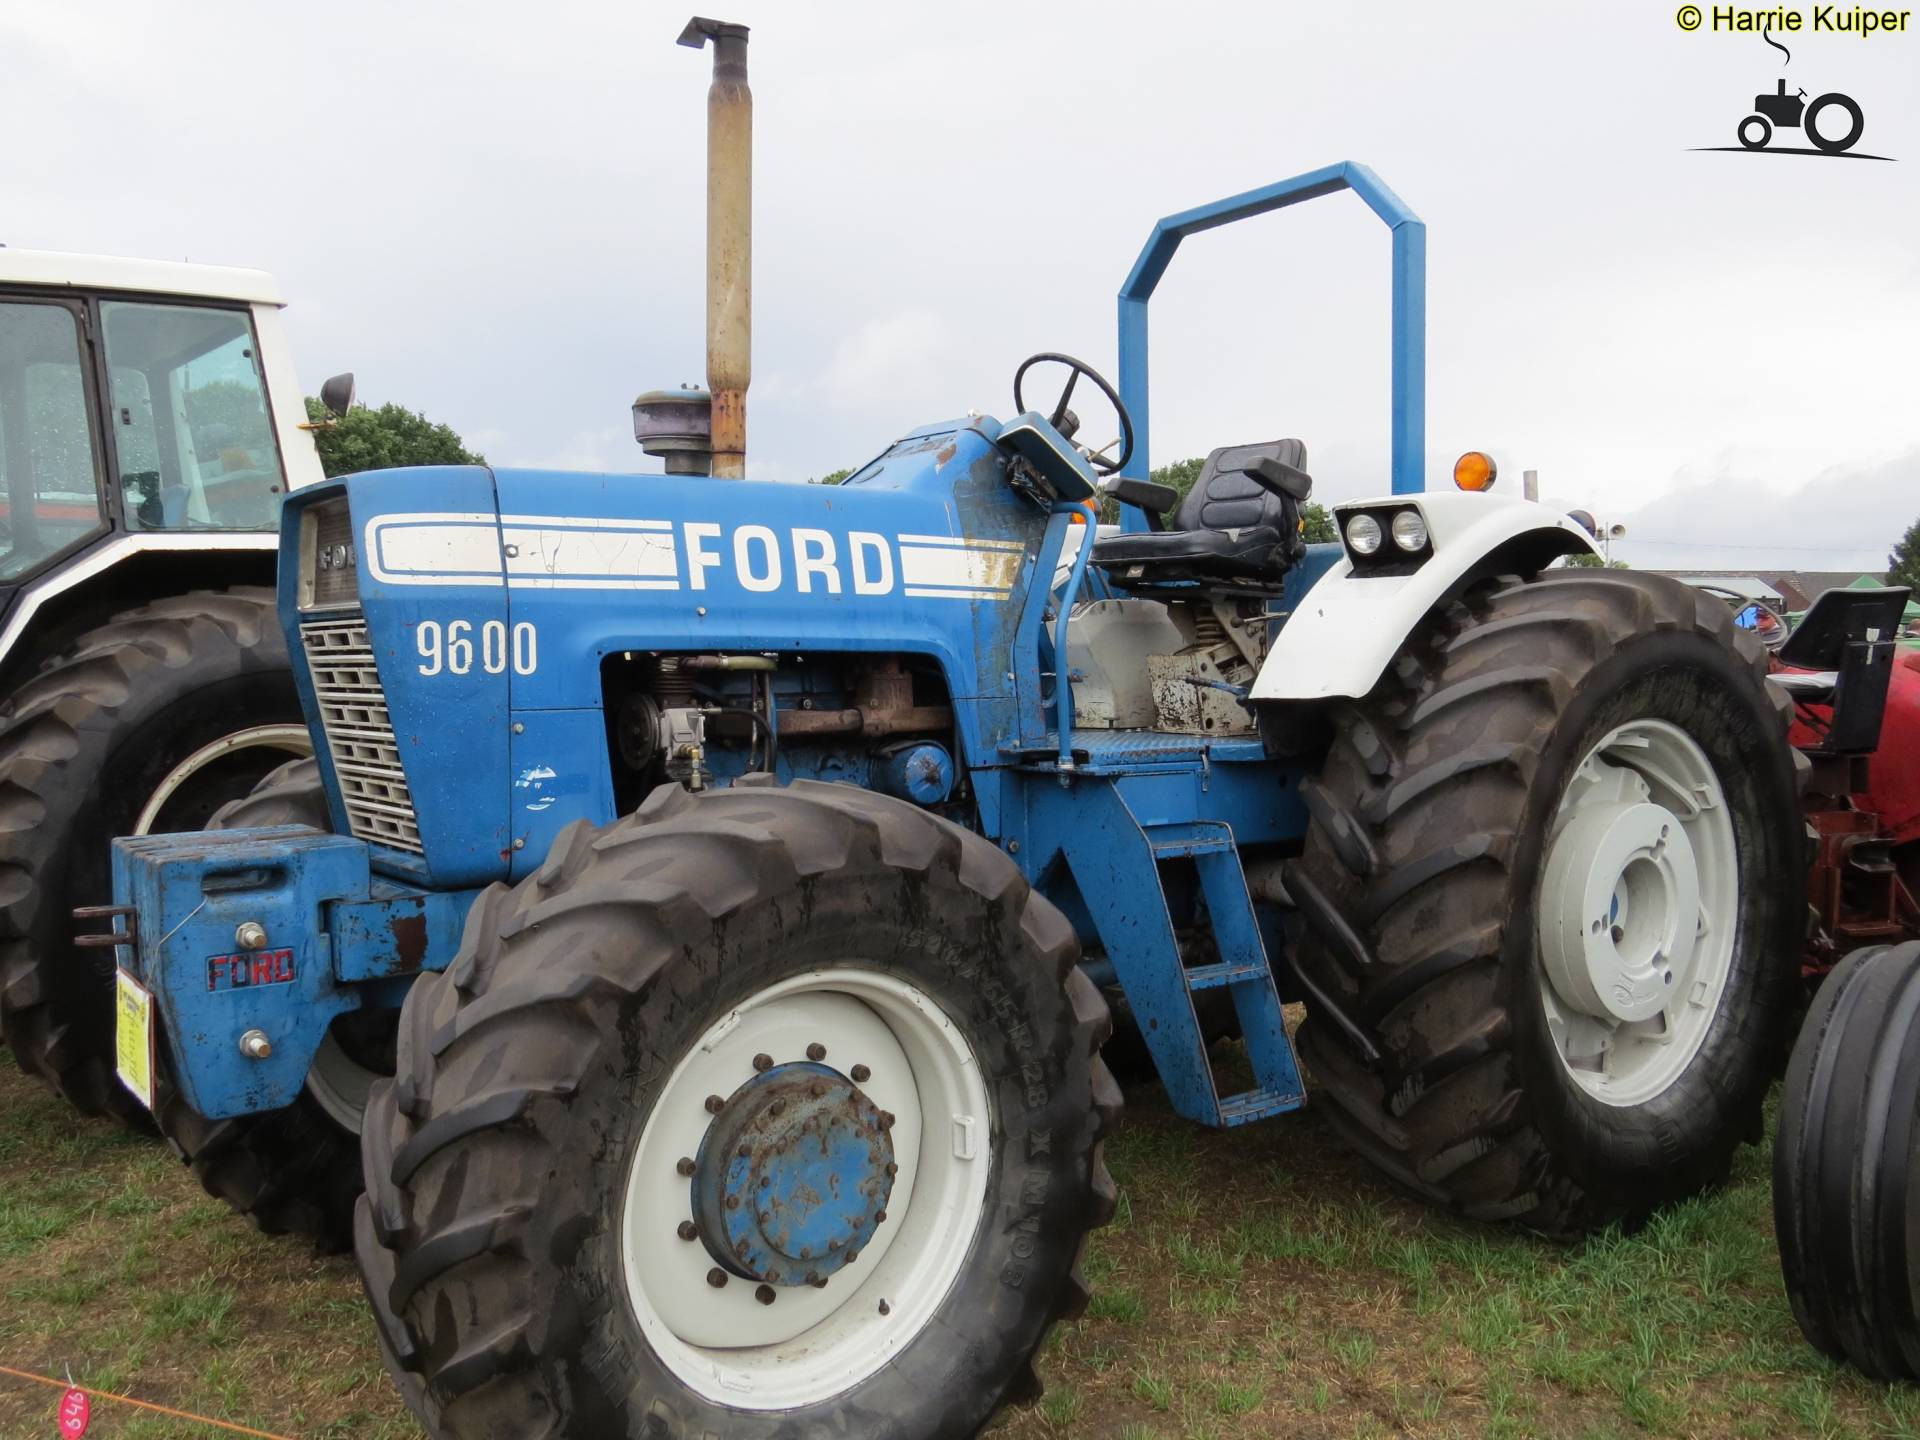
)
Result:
{"points": [[700, 920]]}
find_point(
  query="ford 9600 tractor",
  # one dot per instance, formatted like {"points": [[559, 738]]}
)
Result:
{"points": [[700, 921]]}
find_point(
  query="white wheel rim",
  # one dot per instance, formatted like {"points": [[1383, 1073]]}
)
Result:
{"points": [[295, 740], [813, 1343], [1639, 900], [340, 1084]]}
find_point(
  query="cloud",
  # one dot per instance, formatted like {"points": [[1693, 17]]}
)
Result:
{"points": [[500, 223], [883, 362], [1846, 517], [610, 448]]}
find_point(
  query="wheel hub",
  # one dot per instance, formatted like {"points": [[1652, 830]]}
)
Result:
{"points": [[793, 1176], [1621, 897]]}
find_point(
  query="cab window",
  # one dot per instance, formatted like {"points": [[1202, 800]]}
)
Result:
{"points": [[49, 471], [191, 428]]}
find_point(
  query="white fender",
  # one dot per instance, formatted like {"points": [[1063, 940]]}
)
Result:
{"points": [[1341, 636]]}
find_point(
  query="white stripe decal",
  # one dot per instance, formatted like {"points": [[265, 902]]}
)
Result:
{"points": [[576, 582], [583, 522], [958, 567], [563, 556], [961, 540], [434, 549], [565, 552]]}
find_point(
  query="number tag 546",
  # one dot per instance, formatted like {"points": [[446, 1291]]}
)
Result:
{"points": [[458, 646]]}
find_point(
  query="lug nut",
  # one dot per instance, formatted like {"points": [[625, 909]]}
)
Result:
{"points": [[717, 1277], [715, 1104], [763, 1062], [816, 1051], [766, 1295], [816, 1279], [879, 1217], [886, 1120], [892, 1168], [250, 935], [684, 1165], [255, 1045], [885, 1309], [861, 1074], [688, 1230], [852, 1254]]}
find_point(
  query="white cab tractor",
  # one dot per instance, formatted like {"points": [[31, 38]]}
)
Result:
{"points": [[150, 425]]}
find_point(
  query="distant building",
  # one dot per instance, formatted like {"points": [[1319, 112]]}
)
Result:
{"points": [[1791, 590]]}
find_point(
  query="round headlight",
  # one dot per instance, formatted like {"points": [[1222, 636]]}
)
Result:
{"points": [[1363, 534], [1409, 530]]}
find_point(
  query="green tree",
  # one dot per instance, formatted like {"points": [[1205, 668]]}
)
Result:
{"points": [[384, 439], [1903, 565], [228, 402], [832, 477], [1180, 474], [1585, 561]]}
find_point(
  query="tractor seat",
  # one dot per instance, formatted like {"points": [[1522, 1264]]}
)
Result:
{"points": [[1238, 525]]}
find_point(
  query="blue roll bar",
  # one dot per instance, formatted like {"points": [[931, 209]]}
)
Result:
{"points": [[1409, 307]]}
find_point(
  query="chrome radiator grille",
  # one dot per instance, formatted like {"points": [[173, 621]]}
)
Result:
{"points": [[353, 711]]}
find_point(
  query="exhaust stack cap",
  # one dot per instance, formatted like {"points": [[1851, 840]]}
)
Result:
{"points": [[700, 30], [676, 425]]}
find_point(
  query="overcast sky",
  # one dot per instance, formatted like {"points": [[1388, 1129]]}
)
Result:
{"points": [[494, 213]]}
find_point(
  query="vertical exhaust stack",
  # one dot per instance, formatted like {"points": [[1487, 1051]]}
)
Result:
{"points": [[729, 239]]}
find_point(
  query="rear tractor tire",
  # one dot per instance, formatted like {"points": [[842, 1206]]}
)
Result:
{"points": [[293, 1171], [1846, 1165], [1555, 886], [147, 724], [768, 1111]]}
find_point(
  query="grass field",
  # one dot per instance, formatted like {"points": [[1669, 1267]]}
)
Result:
{"points": [[1260, 1282]]}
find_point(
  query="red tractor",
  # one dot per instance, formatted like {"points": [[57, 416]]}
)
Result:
{"points": [[1856, 696]]}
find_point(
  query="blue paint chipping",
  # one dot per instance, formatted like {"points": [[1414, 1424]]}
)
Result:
{"points": [[793, 1175]]}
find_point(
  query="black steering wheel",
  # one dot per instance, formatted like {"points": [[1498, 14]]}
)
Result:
{"points": [[1060, 415]]}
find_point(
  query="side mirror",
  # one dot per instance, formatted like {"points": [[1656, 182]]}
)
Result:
{"points": [[336, 396]]}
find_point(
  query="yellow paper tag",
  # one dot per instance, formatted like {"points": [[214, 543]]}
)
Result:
{"points": [[133, 1036]]}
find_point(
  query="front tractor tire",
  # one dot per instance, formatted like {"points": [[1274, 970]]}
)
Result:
{"points": [[1555, 888], [147, 724], [767, 1111]]}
